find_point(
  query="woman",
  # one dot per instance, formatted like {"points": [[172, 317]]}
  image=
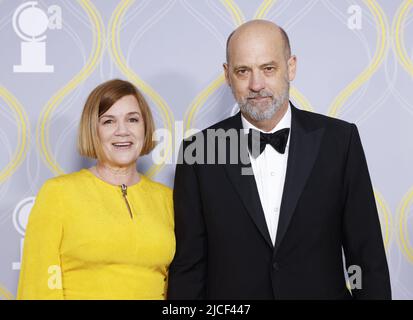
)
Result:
{"points": [[106, 232]]}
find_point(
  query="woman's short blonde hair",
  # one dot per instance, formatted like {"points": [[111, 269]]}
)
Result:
{"points": [[99, 101]]}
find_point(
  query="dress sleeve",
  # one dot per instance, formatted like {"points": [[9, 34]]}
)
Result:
{"points": [[40, 275]]}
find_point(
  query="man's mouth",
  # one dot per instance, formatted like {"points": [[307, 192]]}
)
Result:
{"points": [[259, 98]]}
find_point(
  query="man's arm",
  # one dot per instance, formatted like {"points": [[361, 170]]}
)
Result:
{"points": [[363, 242], [188, 271]]}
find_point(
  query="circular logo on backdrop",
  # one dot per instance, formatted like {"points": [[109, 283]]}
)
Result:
{"points": [[21, 214], [30, 22]]}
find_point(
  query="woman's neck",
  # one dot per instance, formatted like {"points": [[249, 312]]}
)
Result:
{"points": [[116, 175]]}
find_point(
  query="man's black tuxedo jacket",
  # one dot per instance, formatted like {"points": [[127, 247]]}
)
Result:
{"points": [[224, 249]]}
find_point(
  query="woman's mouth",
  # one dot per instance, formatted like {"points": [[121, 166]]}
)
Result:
{"points": [[122, 145]]}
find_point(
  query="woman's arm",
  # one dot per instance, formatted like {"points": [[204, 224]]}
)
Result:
{"points": [[40, 275]]}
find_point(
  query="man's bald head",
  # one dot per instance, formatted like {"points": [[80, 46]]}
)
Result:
{"points": [[261, 27], [259, 69]]}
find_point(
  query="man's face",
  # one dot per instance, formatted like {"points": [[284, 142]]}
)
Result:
{"points": [[259, 73]]}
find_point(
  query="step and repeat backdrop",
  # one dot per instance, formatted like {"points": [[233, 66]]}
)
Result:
{"points": [[355, 62]]}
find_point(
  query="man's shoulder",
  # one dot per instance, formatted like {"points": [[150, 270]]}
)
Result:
{"points": [[318, 120], [230, 123], [233, 122], [337, 132]]}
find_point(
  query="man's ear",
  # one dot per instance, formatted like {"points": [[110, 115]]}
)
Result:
{"points": [[292, 67], [226, 73]]}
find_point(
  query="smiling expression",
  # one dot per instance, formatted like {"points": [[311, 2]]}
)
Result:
{"points": [[121, 132]]}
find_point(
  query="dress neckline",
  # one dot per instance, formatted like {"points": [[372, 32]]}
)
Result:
{"points": [[135, 185]]}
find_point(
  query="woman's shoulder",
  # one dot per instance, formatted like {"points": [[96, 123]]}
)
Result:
{"points": [[53, 193], [162, 197], [64, 181], [158, 187]]}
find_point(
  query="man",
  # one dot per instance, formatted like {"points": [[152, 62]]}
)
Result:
{"points": [[277, 231]]}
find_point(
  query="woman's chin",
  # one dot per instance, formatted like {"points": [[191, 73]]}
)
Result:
{"points": [[122, 162]]}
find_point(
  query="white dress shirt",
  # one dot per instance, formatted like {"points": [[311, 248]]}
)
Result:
{"points": [[269, 170]]}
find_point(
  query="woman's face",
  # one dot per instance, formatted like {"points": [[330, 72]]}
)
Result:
{"points": [[121, 133]]}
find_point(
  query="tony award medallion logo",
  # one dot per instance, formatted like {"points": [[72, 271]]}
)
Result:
{"points": [[30, 23]]}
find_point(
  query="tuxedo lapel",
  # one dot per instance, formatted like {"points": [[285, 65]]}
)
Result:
{"points": [[243, 181], [247, 190], [304, 146]]}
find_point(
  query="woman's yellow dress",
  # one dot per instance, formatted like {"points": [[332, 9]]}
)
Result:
{"points": [[82, 242]]}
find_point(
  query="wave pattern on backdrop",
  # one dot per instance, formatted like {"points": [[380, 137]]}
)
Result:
{"points": [[354, 62]]}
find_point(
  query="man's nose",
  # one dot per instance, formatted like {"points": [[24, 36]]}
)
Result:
{"points": [[257, 81]]}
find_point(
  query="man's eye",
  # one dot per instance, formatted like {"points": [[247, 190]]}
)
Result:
{"points": [[242, 71], [269, 69]]}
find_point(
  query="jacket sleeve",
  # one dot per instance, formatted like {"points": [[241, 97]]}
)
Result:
{"points": [[363, 242], [188, 270], [40, 274]]}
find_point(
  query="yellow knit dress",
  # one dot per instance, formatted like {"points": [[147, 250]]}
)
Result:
{"points": [[82, 242]]}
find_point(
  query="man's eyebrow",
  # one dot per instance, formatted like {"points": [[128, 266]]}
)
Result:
{"points": [[240, 66], [271, 63]]}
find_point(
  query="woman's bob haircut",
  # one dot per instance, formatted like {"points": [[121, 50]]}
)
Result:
{"points": [[99, 101]]}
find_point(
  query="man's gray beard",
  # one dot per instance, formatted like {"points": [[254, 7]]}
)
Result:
{"points": [[257, 115]]}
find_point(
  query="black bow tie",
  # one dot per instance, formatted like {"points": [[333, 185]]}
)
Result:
{"points": [[278, 140]]}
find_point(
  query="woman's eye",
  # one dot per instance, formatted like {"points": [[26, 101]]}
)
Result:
{"points": [[107, 121], [134, 120]]}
